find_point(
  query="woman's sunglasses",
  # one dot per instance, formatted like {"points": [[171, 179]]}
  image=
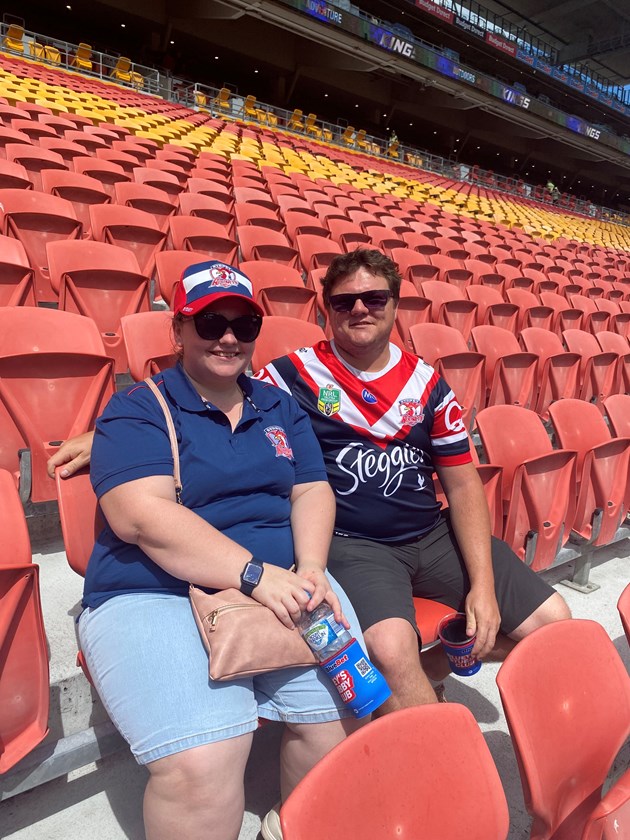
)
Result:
{"points": [[376, 299], [211, 326]]}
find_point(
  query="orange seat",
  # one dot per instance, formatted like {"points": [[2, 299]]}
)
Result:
{"points": [[151, 200], [610, 819], [612, 342], [36, 219], [280, 290], [16, 275], [68, 151], [266, 244], [411, 309], [598, 370], [449, 306], [24, 689], [130, 228], [617, 408], [13, 176], [205, 207], [191, 233], [558, 370], [126, 161], [297, 222], [315, 251], [34, 160], [533, 313], [402, 782], [169, 267], [54, 381], [510, 373], [593, 318], [566, 730], [538, 482], [108, 173], [90, 142], [445, 349], [603, 469], [80, 190], [164, 181], [565, 317], [492, 308], [346, 233], [103, 282], [623, 605], [254, 214], [281, 335], [178, 171], [148, 342]]}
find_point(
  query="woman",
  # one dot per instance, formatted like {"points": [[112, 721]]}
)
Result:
{"points": [[255, 501]]}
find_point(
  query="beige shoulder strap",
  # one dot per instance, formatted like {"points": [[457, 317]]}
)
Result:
{"points": [[172, 437]]}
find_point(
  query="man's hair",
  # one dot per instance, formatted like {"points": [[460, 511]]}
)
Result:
{"points": [[374, 261]]}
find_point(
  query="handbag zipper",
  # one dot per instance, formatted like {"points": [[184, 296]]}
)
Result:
{"points": [[213, 617]]}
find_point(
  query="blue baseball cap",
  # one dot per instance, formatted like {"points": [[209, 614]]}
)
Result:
{"points": [[204, 283]]}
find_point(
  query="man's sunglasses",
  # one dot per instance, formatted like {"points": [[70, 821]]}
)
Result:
{"points": [[211, 326], [376, 299]]}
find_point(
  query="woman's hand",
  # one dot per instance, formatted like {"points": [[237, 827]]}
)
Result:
{"points": [[284, 592], [74, 453], [323, 592]]}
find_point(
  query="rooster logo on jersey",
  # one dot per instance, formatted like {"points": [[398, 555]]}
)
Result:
{"points": [[279, 440], [411, 411]]}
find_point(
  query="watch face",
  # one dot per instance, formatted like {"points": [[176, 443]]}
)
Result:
{"points": [[252, 573]]}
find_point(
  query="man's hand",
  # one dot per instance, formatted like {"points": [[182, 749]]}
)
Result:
{"points": [[482, 618], [74, 453]]}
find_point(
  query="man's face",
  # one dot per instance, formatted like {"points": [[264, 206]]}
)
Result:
{"points": [[361, 329]]}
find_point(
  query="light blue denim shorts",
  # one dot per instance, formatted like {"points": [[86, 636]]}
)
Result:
{"points": [[150, 668]]}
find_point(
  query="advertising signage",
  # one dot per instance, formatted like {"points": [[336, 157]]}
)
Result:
{"points": [[390, 41]]}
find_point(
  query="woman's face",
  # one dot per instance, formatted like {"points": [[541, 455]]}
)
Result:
{"points": [[216, 361]]}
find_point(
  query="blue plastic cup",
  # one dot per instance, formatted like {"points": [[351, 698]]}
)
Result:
{"points": [[457, 645], [361, 686]]}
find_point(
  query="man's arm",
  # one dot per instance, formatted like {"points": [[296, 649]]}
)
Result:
{"points": [[471, 524], [74, 454]]}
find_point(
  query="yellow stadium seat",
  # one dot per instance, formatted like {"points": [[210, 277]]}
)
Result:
{"points": [[249, 107], [295, 121], [52, 55], [222, 100], [137, 80], [360, 140], [83, 57], [14, 38], [327, 135], [38, 51], [392, 149], [201, 100], [311, 128], [122, 70], [348, 136]]}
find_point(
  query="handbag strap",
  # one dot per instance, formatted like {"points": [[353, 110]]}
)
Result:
{"points": [[172, 437]]}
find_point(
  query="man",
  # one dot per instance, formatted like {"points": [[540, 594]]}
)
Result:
{"points": [[385, 421]]}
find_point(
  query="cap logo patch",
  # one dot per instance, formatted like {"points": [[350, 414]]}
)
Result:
{"points": [[222, 275]]}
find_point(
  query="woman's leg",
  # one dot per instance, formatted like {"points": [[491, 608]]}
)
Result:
{"points": [[197, 794], [304, 744]]}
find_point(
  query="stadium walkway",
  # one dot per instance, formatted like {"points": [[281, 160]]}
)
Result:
{"points": [[104, 800]]}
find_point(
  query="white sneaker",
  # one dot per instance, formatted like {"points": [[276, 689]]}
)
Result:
{"points": [[270, 828]]}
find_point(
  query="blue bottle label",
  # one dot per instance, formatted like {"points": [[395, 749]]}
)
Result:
{"points": [[360, 685], [320, 635]]}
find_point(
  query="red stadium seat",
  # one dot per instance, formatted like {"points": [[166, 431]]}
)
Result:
{"points": [[280, 290], [127, 227], [397, 787], [190, 233], [603, 469], [148, 342], [610, 819], [127, 162], [612, 342], [36, 219], [346, 233], [617, 408], [266, 244], [13, 176], [54, 381], [445, 349], [316, 252], [254, 214], [80, 190], [169, 267], [297, 222], [598, 370], [16, 275], [108, 173], [510, 373], [103, 282], [558, 370], [449, 306], [533, 313], [492, 308], [623, 605], [411, 309], [538, 482], [565, 729], [565, 316], [34, 160], [205, 207], [151, 200], [81, 518], [159, 180], [280, 335]]}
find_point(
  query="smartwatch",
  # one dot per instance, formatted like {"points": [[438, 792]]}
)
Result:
{"points": [[251, 575]]}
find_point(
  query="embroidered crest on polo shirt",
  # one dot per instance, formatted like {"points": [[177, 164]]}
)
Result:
{"points": [[329, 400], [223, 275], [277, 436], [411, 411]]}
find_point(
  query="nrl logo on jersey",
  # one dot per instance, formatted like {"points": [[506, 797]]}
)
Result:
{"points": [[329, 400], [411, 411]]}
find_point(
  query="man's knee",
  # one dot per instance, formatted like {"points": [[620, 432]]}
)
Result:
{"points": [[555, 608], [393, 645]]}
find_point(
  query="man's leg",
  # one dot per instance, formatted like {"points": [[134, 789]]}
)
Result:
{"points": [[393, 647], [377, 579]]}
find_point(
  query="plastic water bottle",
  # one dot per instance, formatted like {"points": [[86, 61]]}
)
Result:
{"points": [[360, 685]]}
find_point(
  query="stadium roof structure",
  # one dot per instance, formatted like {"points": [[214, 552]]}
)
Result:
{"points": [[591, 32]]}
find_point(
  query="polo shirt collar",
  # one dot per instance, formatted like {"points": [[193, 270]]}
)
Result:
{"points": [[259, 395]]}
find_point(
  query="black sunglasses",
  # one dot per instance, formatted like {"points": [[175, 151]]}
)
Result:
{"points": [[211, 326], [376, 299]]}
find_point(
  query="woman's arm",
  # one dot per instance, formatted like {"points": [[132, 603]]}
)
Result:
{"points": [[144, 512], [312, 520]]}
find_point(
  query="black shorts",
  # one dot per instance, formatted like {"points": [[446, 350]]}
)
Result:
{"points": [[381, 578]]}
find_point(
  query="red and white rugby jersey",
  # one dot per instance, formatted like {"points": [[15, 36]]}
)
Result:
{"points": [[381, 435]]}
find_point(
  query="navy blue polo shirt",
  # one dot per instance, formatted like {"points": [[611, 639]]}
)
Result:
{"points": [[238, 481]]}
